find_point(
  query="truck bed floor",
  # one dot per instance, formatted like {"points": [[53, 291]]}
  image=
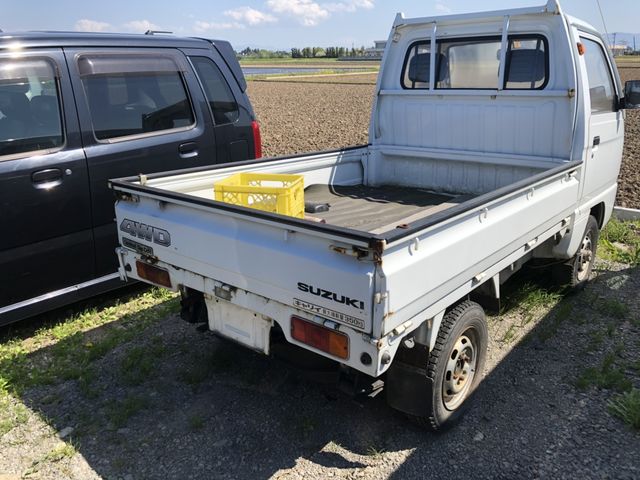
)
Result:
{"points": [[377, 209]]}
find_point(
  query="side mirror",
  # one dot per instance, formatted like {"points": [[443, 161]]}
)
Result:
{"points": [[632, 94]]}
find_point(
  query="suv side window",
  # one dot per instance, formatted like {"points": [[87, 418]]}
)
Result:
{"points": [[134, 95], [601, 87], [30, 118], [221, 100]]}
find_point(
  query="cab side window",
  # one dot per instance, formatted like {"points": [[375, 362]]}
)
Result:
{"points": [[30, 114], [134, 95], [601, 87], [221, 100]]}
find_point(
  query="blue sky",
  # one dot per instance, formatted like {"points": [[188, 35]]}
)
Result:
{"points": [[277, 23]]}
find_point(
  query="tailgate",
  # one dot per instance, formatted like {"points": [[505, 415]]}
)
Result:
{"points": [[304, 268]]}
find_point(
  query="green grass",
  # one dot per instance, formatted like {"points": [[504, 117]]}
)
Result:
{"points": [[120, 411], [627, 407], [12, 412], [202, 367], [608, 375], [68, 350], [196, 422], [61, 451], [138, 363], [620, 242], [375, 451]]}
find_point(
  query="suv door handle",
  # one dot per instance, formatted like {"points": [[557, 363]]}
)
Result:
{"points": [[188, 150], [596, 141], [47, 178]]}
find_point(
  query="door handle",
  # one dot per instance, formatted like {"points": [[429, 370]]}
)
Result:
{"points": [[596, 141], [188, 150], [47, 178]]}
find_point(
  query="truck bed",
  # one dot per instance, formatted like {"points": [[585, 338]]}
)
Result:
{"points": [[378, 209]]}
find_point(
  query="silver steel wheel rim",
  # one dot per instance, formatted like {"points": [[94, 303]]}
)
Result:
{"points": [[585, 256], [460, 370]]}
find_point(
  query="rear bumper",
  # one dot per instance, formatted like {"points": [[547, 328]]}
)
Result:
{"points": [[247, 318]]}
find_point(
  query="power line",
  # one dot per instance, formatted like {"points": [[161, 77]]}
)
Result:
{"points": [[604, 23]]}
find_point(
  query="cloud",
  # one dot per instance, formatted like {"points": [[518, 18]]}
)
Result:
{"points": [[250, 16], [307, 12], [201, 27], [86, 25], [140, 26], [350, 5], [442, 8]]}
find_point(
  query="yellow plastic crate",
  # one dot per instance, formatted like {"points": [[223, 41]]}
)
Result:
{"points": [[276, 193]]}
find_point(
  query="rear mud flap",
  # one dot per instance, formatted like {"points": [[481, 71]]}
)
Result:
{"points": [[408, 389]]}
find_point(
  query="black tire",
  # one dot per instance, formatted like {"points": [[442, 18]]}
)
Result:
{"points": [[576, 272], [464, 323]]}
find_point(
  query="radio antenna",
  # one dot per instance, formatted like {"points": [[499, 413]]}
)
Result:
{"points": [[605, 26]]}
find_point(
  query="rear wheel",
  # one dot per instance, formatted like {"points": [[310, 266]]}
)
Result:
{"points": [[576, 272], [455, 364]]}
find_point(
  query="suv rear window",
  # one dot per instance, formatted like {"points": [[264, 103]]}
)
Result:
{"points": [[134, 95], [30, 117], [474, 63], [221, 100]]}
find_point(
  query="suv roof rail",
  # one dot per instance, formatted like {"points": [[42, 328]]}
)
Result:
{"points": [[153, 32]]}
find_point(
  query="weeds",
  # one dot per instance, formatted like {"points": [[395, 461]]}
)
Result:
{"points": [[139, 362], [120, 411], [620, 242], [62, 450], [67, 350], [196, 422], [204, 366], [627, 407], [608, 375], [374, 451]]}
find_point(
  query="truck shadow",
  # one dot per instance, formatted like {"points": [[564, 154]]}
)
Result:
{"points": [[177, 403]]}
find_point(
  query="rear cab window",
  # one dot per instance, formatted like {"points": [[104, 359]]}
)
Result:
{"points": [[474, 63], [134, 95], [30, 113]]}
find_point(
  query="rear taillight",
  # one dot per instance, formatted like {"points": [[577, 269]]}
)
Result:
{"points": [[153, 274], [322, 338], [257, 140]]}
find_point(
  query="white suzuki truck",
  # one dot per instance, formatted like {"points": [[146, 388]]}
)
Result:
{"points": [[495, 138]]}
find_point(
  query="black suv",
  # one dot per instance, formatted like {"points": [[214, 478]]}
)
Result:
{"points": [[78, 109]]}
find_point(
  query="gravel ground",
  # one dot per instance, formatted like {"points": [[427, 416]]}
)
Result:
{"points": [[208, 409]]}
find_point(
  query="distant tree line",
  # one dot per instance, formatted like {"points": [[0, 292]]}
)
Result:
{"points": [[262, 53], [306, 52], [329, 52]]}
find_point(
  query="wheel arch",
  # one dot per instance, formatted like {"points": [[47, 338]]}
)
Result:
{"points": [[598, 212]]}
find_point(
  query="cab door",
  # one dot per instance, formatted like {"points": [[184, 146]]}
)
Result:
{"points": [[606, 124], [46, 242], [141, 111]]}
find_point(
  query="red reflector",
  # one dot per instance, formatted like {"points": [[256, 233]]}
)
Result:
{"points": [[257, 139], [322, 338], [153, 274]]}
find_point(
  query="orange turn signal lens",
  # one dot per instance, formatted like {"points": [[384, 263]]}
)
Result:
{"points": [[153, 274], [325, 339]]}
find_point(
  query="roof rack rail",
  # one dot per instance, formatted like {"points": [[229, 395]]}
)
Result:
{"points": [[153, 32]]}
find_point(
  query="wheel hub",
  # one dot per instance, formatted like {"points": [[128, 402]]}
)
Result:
{"points": [[459, 372], [585, 256]]}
